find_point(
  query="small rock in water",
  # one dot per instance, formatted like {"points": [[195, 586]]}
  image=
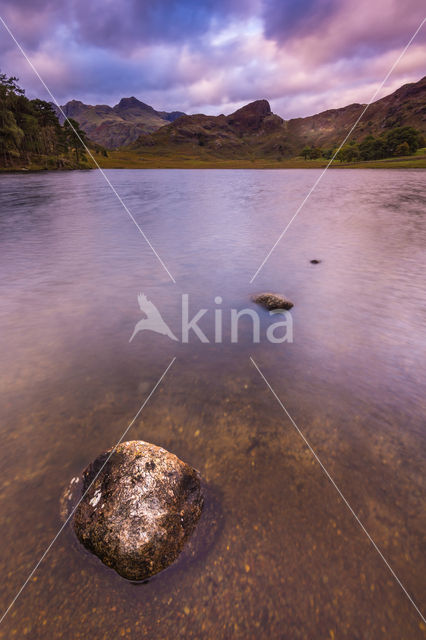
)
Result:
{"points": [[139, 512], [315, 261], [273, 301]]}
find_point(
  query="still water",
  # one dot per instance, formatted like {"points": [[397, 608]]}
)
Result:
{"points": [[278, 555]]}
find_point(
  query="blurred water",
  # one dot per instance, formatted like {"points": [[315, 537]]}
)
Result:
{"points": [[288, 560]]}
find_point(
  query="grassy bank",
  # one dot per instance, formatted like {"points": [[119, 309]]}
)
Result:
{"points": [[136, 160]]}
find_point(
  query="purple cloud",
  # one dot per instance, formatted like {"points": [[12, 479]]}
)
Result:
{"points": [[214, 55]]}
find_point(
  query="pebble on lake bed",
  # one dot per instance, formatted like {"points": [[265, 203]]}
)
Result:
{"points": [[140, 510], [272, 301]]}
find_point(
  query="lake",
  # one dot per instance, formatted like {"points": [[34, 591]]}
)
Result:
{"points": [[280, 554]]}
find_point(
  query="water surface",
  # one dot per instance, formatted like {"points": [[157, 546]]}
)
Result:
{"points": [[287, 559]]}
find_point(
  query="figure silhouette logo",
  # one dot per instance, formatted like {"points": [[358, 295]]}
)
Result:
{"points": [[153, 320]]}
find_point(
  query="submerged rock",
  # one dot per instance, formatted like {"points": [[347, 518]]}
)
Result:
{"points": [[140, 510], [272, 301]]}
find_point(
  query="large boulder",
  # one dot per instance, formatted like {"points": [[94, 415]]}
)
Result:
{"points": [[272, 301], [140, 510]]}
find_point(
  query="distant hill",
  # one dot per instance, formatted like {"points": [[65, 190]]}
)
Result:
{"points": [[255, 132], [405, 107], [116, 126]]}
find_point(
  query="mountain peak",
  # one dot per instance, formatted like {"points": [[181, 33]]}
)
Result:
{"points": [[258, 107], [251, 116], [132, 102]]}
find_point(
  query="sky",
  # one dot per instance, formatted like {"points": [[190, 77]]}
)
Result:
{"points": [[214, 56]]}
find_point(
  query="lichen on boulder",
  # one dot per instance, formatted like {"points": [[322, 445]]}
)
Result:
{"points": [[272, 301], [138, 512]]}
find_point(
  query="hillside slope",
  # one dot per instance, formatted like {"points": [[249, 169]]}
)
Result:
{"points": [[405, 107]]}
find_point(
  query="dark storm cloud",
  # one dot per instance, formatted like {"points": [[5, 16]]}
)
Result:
{"points": [[284, 20], [124, 24], [131, 22]]}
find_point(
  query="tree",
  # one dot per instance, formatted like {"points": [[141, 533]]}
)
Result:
{"points": [[372, 148], [399, 135], [9, 87], [30, 131], [45, 113], [327, 153], [348, 153], [311, 152], [74, 138], [315, 153], [306, 152], [11, 135], [402, 149]]}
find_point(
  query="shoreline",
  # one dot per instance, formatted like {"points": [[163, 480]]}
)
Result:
{"points": [[25, 170], [128, 160], [131, 160]]}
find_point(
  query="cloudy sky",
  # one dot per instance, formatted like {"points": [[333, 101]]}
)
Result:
{"points": [[213, 56]]}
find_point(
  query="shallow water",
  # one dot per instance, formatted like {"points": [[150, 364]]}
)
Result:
{"points": [[286, 558]]}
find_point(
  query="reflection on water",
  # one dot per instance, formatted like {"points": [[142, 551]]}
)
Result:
{"points": [[286, 560]]}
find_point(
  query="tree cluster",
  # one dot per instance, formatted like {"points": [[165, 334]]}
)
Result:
{"points": [[400, 141], [30, 132]]}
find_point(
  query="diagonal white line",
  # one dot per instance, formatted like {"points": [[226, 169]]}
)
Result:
{"points": [[338, 490], [76, 506], [92, 157], [318, 180]]}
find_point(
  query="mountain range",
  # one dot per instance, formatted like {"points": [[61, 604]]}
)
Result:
{"points": [[255, 132], [116, 126], [250, 132]]}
